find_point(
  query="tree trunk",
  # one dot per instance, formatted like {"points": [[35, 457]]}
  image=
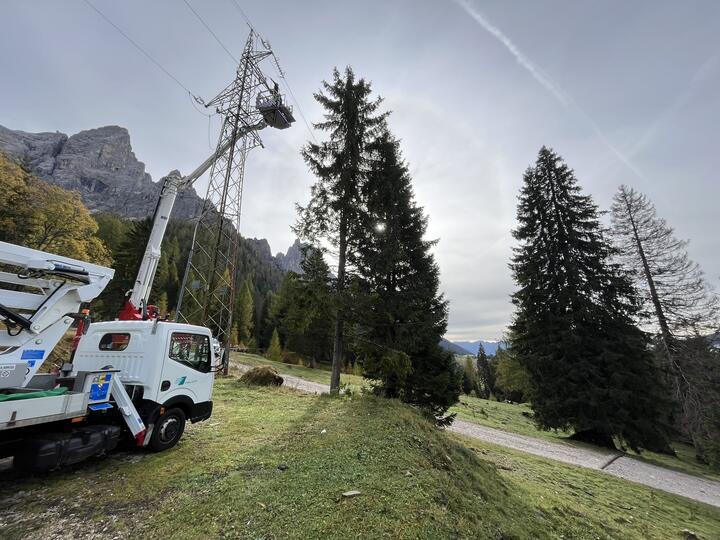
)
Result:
{"points": [[595, 437], [339, 322], [662, 321]]}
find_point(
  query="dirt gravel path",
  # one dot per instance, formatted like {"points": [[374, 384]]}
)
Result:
{"points": [[607, 461], [567, 453]]}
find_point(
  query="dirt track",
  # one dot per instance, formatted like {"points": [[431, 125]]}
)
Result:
{"points": [[609, 462]]}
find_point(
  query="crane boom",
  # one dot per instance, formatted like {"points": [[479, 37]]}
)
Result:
{"points": [[136, 303]]}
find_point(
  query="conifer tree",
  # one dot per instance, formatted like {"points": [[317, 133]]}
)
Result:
{"points": [[315, 301], [486, 382], [470, 381], [676, 294], [246, 314], [334, 211], [680, 307], [302, 309], [590, 367], [274, 351], [404, 315]]}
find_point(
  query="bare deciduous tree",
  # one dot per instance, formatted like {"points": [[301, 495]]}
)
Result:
{"points": [[679, 306]]}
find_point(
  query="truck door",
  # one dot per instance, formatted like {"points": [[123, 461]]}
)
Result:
{"points": [[187, 370]]}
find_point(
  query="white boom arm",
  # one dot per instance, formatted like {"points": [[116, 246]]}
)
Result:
{"points": [[172, 185], [46, 289]]}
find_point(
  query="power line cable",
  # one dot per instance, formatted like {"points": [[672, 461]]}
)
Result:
{"points": [[143, 51], [297, 104], [207, 27], [280, 72], [244, 16]]}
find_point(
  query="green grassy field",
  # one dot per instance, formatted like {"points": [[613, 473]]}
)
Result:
{"points": [[517, 418], [272, 463], [514, 417]]}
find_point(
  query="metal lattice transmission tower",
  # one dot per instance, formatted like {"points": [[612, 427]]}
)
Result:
{"points": [[207, 295]]}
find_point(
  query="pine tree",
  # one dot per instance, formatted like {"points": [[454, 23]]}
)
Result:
{"points": [[486, 382], [274, 351], [470, 380], [245, 314], [403, 314], [316, 302], [302, 309], [589, 365], [334, 211], [679, 303]]}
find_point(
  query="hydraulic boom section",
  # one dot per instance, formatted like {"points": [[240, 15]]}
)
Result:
{"points": [[136, 305], [38, 303]]}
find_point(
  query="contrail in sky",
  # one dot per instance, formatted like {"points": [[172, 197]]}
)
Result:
{"points": [[565, 99], [521, 59]]}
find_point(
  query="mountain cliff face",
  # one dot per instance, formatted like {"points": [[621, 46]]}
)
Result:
{"points": [[290, 261], [99, 164]]}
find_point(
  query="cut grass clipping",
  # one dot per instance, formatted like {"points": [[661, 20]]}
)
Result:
{"points": [[262, 376], [272, 463]]}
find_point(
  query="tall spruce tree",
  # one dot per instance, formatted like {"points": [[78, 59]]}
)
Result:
{"points": [[340, 165], [401, 322], [590, 367]]}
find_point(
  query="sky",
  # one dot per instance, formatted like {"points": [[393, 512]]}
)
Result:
{"points": [[626, 92]]}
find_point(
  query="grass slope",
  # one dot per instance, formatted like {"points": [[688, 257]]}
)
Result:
{"points": [[225, 480], [517, 418], [513, 417]]}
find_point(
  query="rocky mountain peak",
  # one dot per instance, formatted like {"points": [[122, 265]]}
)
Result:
{"points": [[97, 163], [290, 261]]}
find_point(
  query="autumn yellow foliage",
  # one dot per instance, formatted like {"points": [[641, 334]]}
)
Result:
{"points": [[39, 215]]}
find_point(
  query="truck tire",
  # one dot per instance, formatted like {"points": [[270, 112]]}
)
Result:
{"points": [[168, 430]]}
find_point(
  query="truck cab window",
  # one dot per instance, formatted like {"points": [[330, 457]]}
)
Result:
{"points": [[192, 350], [114, 342]]}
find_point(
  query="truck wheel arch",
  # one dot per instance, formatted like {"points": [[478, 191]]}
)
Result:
{"points": [[183, 403]]}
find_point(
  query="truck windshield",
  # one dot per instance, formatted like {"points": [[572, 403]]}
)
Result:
{"points": [[192, 350]]}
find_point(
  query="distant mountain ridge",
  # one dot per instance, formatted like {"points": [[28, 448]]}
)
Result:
{"points": [[452, 347], [471, 347]]}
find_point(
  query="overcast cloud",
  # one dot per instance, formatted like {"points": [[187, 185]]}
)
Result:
{"points": [[627, 92]]}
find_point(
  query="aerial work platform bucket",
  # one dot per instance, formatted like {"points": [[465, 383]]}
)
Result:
{"points": [[274, 111]]}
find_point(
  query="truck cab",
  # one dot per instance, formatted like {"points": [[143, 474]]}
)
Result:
{"points": [[167, 369]]}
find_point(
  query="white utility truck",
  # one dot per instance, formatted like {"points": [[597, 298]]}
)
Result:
{"points": [[143, 378], [138, 377]]}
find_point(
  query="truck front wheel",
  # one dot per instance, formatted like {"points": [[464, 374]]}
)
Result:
{"points": [[168, 430]]}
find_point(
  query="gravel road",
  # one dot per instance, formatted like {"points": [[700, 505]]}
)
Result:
{"points": [[607, 461]]}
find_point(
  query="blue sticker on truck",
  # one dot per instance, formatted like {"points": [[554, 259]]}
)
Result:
{"points": [[181, 381], [32, 354], [99, 392]]}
